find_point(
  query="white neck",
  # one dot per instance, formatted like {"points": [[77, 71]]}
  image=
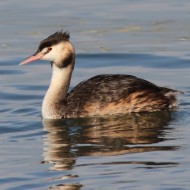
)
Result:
{"points": [[53, 106]]}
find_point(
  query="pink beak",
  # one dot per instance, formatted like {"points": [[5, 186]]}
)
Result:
{"points": [[32, 58]]}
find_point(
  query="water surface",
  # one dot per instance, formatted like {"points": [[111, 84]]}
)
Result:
{"points": [[138, 151]]}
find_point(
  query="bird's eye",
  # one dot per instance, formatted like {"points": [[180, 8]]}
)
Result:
{"points": [[49, 49]]}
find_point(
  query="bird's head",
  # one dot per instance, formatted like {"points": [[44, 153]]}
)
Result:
{"points": [[56, 48]]}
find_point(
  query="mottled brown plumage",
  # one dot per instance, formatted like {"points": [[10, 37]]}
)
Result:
{"points": [[114, 94], [100, 95]]}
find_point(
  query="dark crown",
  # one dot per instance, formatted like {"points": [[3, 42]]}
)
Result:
{"points": [[54, 39]]}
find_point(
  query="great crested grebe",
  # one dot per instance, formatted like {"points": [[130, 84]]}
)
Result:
{"points": [[99, 95]]}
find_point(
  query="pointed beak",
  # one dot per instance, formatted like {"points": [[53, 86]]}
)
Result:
{"points": [[32, 58]]}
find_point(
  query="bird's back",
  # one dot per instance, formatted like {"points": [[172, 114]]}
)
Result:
{"points": [[115, 94]]}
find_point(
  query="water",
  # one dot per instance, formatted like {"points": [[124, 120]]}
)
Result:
{"points": [[149, 39]]}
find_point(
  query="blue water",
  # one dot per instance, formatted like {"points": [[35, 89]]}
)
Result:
{"points": [[139, 151]]}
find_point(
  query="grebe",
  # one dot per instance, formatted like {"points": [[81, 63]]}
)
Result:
{"points": [[97, 96]]}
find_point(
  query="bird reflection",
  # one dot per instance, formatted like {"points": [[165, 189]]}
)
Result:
{"points": [[68, 139]]}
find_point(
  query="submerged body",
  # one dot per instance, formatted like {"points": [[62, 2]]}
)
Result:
{"points": [[100, 95]]}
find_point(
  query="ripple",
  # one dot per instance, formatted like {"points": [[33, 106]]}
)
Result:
{"points": [[132, 60]]}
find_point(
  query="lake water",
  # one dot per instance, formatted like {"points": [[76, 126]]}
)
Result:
{"points": [[149, 39]]}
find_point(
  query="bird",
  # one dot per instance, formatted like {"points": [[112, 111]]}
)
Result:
{"points": [[101, 95]]}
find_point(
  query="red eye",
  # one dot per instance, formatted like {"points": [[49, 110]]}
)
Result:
{"points": [[48, 50]]}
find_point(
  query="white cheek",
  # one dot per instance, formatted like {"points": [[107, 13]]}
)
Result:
{"points": [[48, 57], [55, 54]]}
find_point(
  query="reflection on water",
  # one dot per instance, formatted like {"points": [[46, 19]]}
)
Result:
{"points": [[148, 39], [68, 140]]}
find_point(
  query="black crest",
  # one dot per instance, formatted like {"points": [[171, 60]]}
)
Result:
{"points": [[54, 39]]}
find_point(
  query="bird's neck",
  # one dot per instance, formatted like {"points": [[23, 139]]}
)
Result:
{"points": [[54, 103]]}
